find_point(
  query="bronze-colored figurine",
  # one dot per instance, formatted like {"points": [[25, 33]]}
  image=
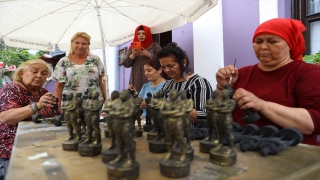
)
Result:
{"points": [[174, 114], [224, 155], [92, 108], [212, 105], [71, 116], [110, 153], [187, 106], [125, 165], [148, 126], [153, 101], [87, 97], [157, 144], [80, 111], [136, 115]]}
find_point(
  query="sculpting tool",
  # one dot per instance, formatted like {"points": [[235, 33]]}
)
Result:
{"points": [[234, 65]]}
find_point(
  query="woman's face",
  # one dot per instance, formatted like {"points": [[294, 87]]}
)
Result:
{"points": [[271, 50], [170, 67], [141, 35], [80, 45], [35, 76], [151, 73]]}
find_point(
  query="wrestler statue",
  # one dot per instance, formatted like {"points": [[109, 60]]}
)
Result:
{"points": [[110, 153], [223, 155], [112, 102], [148, 126], [156, 143], [173, 112], [211, 106], [71, 116], [92, 108], [187, 106], [154, 116], [125, 164], [137, 112], [80, 111]]}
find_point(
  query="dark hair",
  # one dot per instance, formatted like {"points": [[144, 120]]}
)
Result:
{"points": [[141, 28], [173, 50], [155, 63]]}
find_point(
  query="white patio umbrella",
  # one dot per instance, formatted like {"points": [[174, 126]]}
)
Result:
{"points": [[41, 24]]}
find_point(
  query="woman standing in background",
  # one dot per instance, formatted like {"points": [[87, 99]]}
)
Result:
{"points": [[136, 57], [80, 71]]}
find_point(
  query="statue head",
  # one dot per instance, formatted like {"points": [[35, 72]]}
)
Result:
{"points": [[124, 95], [135, 94], [183, 94], [114, 95], [173, 95]]}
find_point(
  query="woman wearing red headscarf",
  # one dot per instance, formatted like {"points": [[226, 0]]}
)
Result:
{"points": [[283, 89], [136, 57]]}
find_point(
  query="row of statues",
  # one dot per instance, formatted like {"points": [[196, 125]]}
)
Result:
{"points": [[171, 124]]}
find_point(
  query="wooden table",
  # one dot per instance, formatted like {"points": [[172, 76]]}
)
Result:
{"points": [[38, 155]]}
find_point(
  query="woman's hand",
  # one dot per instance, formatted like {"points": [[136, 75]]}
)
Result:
{"points": [[223, 75], [134, 53], [144, 52], [143, 104], [47, 100], [131, 88], [247, 100]]}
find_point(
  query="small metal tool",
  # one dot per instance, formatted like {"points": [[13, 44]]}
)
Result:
{"points": [[234, 65]]}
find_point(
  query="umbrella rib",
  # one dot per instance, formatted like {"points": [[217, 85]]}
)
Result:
{"points": [[70, 24], [69, 3], [37, 19], [152, 7]]}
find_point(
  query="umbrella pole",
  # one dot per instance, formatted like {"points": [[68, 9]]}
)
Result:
{"points": [[106, 80]]}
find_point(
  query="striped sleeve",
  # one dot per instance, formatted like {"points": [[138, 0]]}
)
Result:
{"points": [[201, 91]]}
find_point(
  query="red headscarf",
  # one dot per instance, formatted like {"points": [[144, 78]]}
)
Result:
{"points": [[147, 41], [288, 29]]}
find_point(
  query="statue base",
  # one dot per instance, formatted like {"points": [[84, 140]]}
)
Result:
{"points": [[148, 127], [107, 134], [137, 132], [189, 153], [116, 171], [223, 155], [206, 145], [174, 168], [157, 146], [70, 145], [89, 149], [151, 135], [109, 154]]}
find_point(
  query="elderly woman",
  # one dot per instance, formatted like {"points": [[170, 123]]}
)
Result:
{"points": [[80, 71], [283, 89], [175, 64], [136, 57], [20, 100]]}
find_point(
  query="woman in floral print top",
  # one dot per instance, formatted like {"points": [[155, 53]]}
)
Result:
{"points": [[20, 100], [80, 71]]}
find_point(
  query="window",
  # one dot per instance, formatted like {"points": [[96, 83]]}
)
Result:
{"points": [[308, 11]]}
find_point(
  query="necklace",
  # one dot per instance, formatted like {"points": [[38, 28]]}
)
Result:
{"points": [[29, 89]]}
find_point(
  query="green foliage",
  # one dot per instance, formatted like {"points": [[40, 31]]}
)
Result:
{"points": [[15, 56], [313, 58]]}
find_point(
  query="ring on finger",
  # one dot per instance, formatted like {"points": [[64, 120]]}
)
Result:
{"points": [[44, 101]]}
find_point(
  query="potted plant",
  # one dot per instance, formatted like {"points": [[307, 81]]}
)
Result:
{"points": [[312, 59]]}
